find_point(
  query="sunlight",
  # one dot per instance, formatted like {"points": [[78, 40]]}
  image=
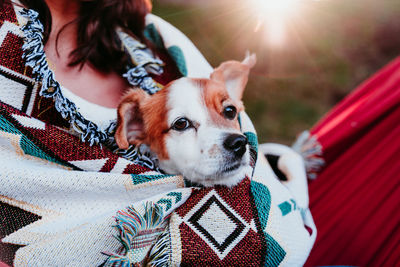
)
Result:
{"points": [[279, 8], [274, 14]]}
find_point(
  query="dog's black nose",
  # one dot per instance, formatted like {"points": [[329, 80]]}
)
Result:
{"points": [[236, 143]]}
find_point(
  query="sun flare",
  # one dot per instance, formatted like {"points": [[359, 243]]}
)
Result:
{"points": [[276, 7], [274, 15]]}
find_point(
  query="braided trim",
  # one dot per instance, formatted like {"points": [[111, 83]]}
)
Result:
{"points": [[144, 63], [35, 58]]}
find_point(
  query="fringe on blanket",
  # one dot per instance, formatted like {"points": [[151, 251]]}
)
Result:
{"points": [[141, 57], [137, 234], [310, 149], [36, 59], [160, 253]]}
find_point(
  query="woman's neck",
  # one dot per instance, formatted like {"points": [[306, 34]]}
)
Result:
{"points": [[59, 46], [104, 89], [63, 11]]}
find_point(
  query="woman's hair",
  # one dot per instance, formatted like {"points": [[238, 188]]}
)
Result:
{"points": [[97, 42]]}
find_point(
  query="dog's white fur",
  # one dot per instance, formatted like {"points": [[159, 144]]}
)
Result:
{"points": [[198, 152]]}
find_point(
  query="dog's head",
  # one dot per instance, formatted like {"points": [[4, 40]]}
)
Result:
{"points": [[192, 125]]}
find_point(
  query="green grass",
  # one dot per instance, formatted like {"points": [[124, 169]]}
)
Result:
{"points": [[331, 46]]}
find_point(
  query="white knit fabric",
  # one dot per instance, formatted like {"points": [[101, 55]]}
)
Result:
{"points": [[101, 116]]}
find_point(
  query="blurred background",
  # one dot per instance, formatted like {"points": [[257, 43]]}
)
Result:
{"points": [[311, 53]]}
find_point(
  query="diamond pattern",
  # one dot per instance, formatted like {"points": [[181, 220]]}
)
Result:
{"points": [[211, 220], [217, 224]]}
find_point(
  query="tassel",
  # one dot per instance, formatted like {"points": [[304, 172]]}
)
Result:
{"points": [[160, 253], [137, 234], [35, 58], [311, 151]]}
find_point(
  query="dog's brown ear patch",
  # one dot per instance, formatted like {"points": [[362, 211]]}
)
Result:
{"points": [[130, 127], [156, 126], [234, 75]]}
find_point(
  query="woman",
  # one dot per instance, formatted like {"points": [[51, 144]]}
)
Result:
{"points": [[62, 185]]}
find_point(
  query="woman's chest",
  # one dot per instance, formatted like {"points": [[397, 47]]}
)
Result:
{"points": [[104, 89]]}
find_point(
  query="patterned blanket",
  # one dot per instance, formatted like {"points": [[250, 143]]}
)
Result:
{"points": [[68, 198]]}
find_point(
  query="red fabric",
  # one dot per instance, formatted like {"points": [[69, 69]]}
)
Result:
{"points": [[170, 70], [355, 200]]}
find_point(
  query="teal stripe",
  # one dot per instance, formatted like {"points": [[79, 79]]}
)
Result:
{"points": [[151, 33], [262, 199], [275, 253], [294, 203], [177, 55], [166, 201], [285, 207], [252, 139], [8, 127], [288, 206], [177, 195], [25, 143], [143, 178]]}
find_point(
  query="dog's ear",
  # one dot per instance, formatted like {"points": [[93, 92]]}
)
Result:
{"points": [[130, 127], [235, 75]]}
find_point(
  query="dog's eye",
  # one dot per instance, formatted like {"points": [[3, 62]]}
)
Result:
{"points": [[229, 112], [181, 124]]}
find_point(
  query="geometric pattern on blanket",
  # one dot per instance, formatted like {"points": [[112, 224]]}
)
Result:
{"points": [[28, 144], [215, 225], [50, 143], [71, 190], [35, 143]]}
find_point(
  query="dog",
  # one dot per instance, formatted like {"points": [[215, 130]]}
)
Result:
{"points": [[192, 125]]}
